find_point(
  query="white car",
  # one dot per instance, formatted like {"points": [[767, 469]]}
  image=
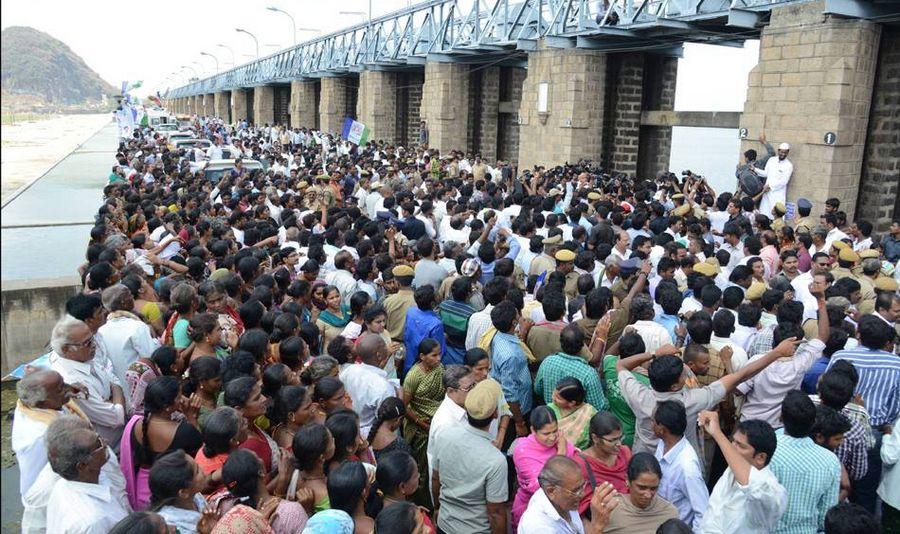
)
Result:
{"points": [[179, 136], [228, 153], [202, 144], [215, 169]]}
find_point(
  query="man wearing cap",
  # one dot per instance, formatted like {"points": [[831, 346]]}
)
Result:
{"points": [[546, 261], [778, 173], [846, 263], [565, 263], [396, 305], [469, 474], [802, 217]]}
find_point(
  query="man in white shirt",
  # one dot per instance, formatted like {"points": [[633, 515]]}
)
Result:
{"points": [[620, 250], [43, 397], [748, 497], [125, 337], [79, 504], [458, 381], [777, 173], [654, 334], [34, 516], [554, 507], [367, 382], [342, 277], [103, 401], [682, 481]]}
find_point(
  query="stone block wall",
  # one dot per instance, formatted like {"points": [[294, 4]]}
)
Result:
{"points": [[445, 104], [239, 105], [264, 105], [815, 76], [223, 106], [511, 81], [879, 191], [282, 105], [484, 103], [408, 104], [303, 104], [376, 105], [571, 129], [332, 104], [655, 143], [622, 121]]}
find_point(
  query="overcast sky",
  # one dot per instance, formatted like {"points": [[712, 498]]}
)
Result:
{"points": [[149, 40]]}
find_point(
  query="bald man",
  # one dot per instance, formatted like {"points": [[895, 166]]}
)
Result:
{"points": [[43, 397], [554, 507], [367, 382]]}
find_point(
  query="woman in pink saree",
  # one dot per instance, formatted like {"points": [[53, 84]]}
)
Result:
{"points": [[155, 433], [532, 452]]}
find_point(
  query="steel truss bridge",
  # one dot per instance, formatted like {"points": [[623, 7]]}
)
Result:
{"points": [[503, 31]]}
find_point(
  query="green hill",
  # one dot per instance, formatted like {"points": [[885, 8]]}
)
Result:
{"points": [[37, 67]]}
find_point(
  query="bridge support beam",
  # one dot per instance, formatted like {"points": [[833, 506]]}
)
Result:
{"points": [[264, 105], [239, 105], [812, 88], [561, 114], [197, 105], [223, 106], [303, 104], [445, 105], [332, 104], [376, 105]]}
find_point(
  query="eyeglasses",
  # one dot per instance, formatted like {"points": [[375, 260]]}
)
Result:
{"points": [[470, 387], [613, 441], [102, 446], [86, 343]]}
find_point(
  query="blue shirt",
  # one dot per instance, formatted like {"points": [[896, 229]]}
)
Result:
{"points": [[509, 366], [669, 322], [682, 482], [811, 475], [811, 378], [879, 381], [420, 324]]}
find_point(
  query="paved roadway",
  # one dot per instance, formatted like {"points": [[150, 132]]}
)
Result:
{"points": [[68, 193]]}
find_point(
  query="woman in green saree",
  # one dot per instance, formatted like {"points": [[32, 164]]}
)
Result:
{"points": [[423, 391], [334, 317], [572, 414]]}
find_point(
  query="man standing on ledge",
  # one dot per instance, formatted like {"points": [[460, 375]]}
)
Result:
{"points": [[777, 173]]}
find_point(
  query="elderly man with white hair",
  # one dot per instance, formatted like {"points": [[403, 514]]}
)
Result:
{"points": [[34, 517], [777, 174], [85, 500], [102, 400], [125, 337], [43, 397]]}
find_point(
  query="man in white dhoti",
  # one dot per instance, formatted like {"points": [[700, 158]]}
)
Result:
{"points": [[777, 173]]}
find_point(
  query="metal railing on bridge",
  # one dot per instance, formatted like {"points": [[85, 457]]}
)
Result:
{"points": [[494, 30]]}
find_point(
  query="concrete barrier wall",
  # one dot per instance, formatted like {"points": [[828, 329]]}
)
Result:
{"points": [[30, 309]]}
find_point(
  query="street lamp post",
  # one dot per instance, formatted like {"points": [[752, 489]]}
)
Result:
{"points": [[255, 40], [214, 59], [293, 23], [192, 70], [230, 50]]}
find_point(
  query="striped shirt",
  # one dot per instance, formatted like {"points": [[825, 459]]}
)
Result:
{"points": [[879, 381], [561, 365], [509, 366], [811, 475], [455, 317]]}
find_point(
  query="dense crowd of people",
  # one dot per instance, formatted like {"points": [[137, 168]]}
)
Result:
{"points": [[360, 339]]}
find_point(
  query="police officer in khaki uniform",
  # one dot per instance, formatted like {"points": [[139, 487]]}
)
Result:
{"points": [[565, 263], [546, 261]]}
